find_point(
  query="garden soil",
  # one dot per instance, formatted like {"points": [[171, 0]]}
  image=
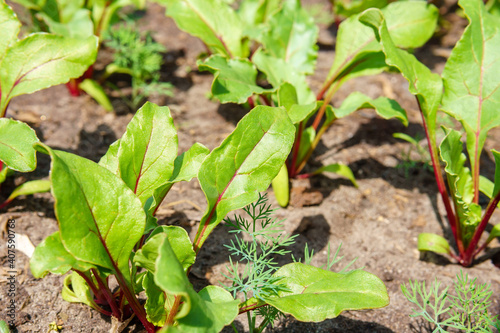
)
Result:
{"points": [[376, 223]]}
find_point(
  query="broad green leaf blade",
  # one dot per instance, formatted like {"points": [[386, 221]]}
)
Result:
{"points": [[110, 218], [4, 328], [95, 90], [147, 255], [254, 14], [76, 290], [471, 78], [433, 243], [291, 35], [486, 186], [157, 303], [31, 187], [16, 145], [308, 136], [278, 71], [385, 107], [9, 26], [209, 311], [110, 159], [244, 164], [339, 169], [4, 173], [495, 232], [40, 61], [410, 23], [51, 256], [281, 187], [77, 25], [317, 294], [460, 183], [212, 21], [234, 79], [148, 150], [424, 84], [287, 97], [186, 167]]}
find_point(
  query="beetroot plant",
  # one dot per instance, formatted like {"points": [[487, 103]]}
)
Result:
{"points": [[107, 227], [467, 90], [276, 41]]}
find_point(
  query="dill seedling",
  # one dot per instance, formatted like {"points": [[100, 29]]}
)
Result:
{"points": [[258, 255], [140, 57], [465, 310]]}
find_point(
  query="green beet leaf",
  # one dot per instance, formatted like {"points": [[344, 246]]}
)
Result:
{"points": [[147, 150], [212, 21], [16, 145], [31, 187], [287, 97], [291, 35], [347, 8], [147, 255], [424, 84], [40, 61], [9, 25], [308, 137], [234, 79], [411, 24], [460, 183], [495, 232], [385, 107], [244, 164], [278, 71], [100, 218], [339, 169], [496, 188], [76, 290], [51, 256], [316, 294], [433, 242], [471, 78], [254, 14], [158, 303], [281, 187], [207, 311]]}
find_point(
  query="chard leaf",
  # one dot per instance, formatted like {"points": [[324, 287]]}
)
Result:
{"points": [[471, 78], [496, 188], [254, 13], [16, 145], [51, 256], [278, 71], [76, 290], [147, 255], [460, 183], [9, 26], [42, 60], [349, 8], [308, 136], [158, 302], [424, 84], [287, 97], [207, 311], [212, 21], [234, 79], [339, 169], [385, 107], [410, 23], [494, 233], [244, 164], [31, 187], [77, 24], [291, 35], [433, 243], [147, 150], [100, 218], [316, 294]]}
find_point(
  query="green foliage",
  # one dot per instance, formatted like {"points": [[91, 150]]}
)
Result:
{"points": [[306, 292], [279, 40], [466, 309], [140, 57], [470, 83], [39, 60]]}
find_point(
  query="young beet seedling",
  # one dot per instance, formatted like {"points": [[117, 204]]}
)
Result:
{"points": [[35, 62], [278, 40], [77, 19], [107, 226], [470, 81]]}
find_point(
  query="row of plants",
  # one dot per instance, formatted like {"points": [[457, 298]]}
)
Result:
{"points": [[260, 54]]}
